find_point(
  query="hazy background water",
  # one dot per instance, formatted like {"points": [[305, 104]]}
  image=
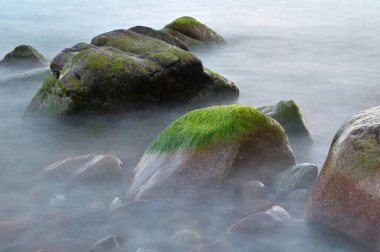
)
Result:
{"points": [[324, 54]]}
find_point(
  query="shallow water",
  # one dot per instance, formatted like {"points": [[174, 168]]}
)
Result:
{"points": [[323, 54]]}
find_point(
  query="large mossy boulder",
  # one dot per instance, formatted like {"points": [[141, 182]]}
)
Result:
{"points": [[193, 33], [288, 114], [124, 70], [24, 56], [347, 193], [211, 150]]}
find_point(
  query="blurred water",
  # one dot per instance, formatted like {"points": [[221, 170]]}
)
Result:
{"points": [[323, 54]]}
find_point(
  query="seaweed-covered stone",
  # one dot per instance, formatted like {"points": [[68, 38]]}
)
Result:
{"points": [[160, 35], [124, 70], [288, 114], [218, 147], [24, 56], [193, 32], [346, 195]]}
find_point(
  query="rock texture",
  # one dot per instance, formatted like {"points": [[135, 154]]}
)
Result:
{"points": [[207, 148], [124, 70], [347, 193], [24, 56]]}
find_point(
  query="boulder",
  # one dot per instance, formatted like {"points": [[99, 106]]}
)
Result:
{"points": [[193, 33], [107, 244], [346, 195], [24, 56], [288, 114], [124, 70], [91, 167], [300, 176], [160, 35], [218, 147]]}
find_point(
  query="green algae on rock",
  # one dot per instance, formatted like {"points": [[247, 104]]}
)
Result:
{"points": [[346, 195], [202, 150], [193, 33], [288, 114], [125, 70], [200, 127], [24, 56]]}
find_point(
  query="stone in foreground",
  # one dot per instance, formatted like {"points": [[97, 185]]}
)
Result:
{"points": [[347, 193], [193, 33], [24, 56], [123, 70], [218, 147]]}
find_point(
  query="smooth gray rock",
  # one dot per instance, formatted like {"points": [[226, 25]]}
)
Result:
{"points": [[299, 176]]}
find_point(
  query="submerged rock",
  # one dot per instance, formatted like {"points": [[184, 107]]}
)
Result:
{"points": [[124, 70], [93, 167], [347, 193], [24, 56], [193, 33], [300, 176], [160, 35], [218, 147], [107, 244], [288, 114], [260, 222]]}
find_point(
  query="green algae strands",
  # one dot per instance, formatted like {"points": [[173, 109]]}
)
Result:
{"points": [[200, 127]]}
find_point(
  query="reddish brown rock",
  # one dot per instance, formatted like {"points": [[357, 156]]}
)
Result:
{"points": [[347, 193]]}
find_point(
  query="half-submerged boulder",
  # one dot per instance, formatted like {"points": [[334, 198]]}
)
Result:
{"points": [[347, 193], [218, 147], [24, 56], [288, 114], [193, 33], [124, 70]]}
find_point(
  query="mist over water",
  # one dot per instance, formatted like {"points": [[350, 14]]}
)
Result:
{"points": [[323, 54]]}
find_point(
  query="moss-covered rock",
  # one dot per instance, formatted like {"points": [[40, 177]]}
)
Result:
{"points": [[199, 152], [193, 33], [124, 70], [288, 114], [347, 193], [160, 35], [24, 56]]}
